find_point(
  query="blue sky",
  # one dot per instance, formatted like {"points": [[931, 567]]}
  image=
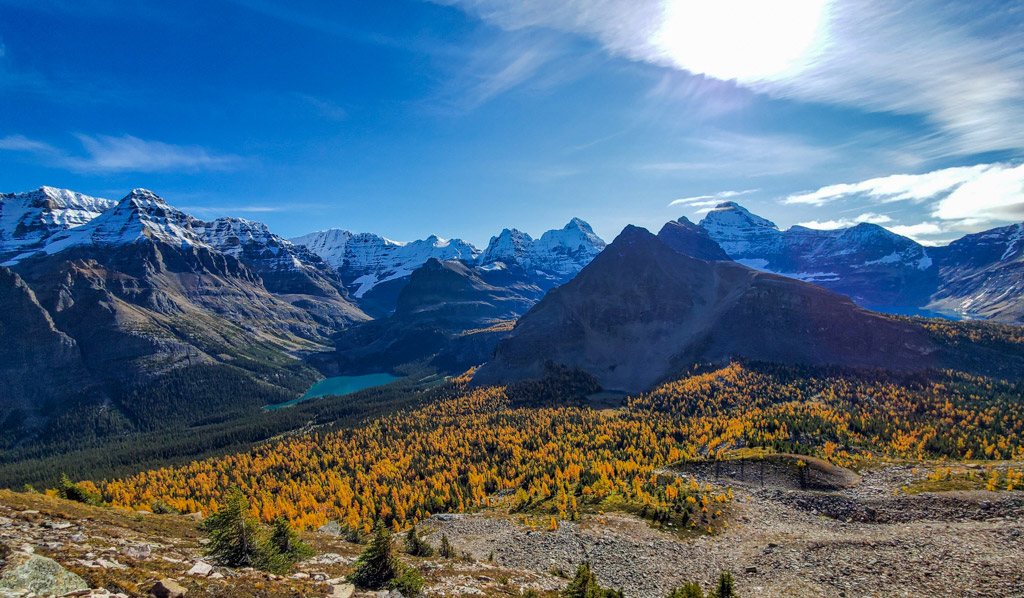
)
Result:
{"points": [[462, 117]]}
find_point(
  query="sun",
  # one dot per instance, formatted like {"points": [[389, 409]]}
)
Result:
{"points": [[746, 40]]}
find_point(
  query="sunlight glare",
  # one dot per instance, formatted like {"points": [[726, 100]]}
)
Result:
{"points": [[747, 40]]}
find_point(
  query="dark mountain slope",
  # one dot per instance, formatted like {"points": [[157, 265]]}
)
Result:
{"points": [[641, 312], [33, 350], [440, 304], [983, 275], [689, 239]]}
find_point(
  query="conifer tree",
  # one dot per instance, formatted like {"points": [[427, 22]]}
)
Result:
{"points": [[236, 538], [286, 544], [584, 585], [415, 546], [688, 590], [377, 565], [447, 550], [724, 587]]}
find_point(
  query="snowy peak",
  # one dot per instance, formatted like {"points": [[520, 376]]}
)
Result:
{"points": [[556, 255], [511, 245], [730, 213], [139, 216], [233, 235], [738, 231], [28, 219], [365, 260], [328, 244]]}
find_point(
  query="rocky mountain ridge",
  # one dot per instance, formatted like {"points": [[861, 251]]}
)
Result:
{"points": [[977, 276], [642, 312]]}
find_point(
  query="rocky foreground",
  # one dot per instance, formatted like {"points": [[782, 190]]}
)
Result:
{"points": [[868, 539]]}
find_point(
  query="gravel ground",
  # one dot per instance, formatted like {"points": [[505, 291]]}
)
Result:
{"points": [[859, 542]]}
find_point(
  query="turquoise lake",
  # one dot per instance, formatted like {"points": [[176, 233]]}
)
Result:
{"points": [[340, 385]]}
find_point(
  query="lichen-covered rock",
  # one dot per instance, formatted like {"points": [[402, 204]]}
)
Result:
{"points": [[38, 574]]}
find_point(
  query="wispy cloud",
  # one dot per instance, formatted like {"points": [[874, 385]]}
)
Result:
{"points": [[105, 153], [897, 187], [20, 143], [961, 199], [718, 153], [704, 200], [956, 64], [868, 217]]}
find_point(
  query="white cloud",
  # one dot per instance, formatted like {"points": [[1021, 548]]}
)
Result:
{"points": [[998, 194], [706, 200], [128, 153], [920, 231], [104, 153], [20, 143], [897, 187], [868, 217], [956, 64], [971, 195]]}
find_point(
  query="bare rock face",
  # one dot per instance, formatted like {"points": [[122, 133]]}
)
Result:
{"points": [[641, 313], [38, 574], [32, 349]]}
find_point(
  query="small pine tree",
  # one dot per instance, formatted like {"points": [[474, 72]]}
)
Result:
{"points": [[377, 565], [71, 491], [415, 546], [447, 550], [287, 546], [689, 590], [724, 587], [584, 585], [236, 538]]}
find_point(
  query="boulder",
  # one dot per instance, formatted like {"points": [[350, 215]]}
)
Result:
{"points": [[331, 528], [342, 590], [201, 569], [142, 551], [167, 588], [38, 574]]}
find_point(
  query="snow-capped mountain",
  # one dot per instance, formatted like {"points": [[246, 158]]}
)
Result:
{"points": [[873, 266], [366, 260], [28, 219], [375, 268], [291, 271], [139, 216], [556, 256], [257, 247], [983, 275]]}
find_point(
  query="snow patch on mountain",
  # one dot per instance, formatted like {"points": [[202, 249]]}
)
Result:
{"points": [[28, 219], [557, 254], [367, 259], [142, 215]]}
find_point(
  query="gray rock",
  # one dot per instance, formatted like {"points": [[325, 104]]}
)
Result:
{"points": [[34, 573], [201, 569], [142, 551], [167, 588], [331, 528]]}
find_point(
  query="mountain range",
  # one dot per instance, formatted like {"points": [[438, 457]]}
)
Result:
{"points": [[122, 314], [979, 276], [104, 302]]}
